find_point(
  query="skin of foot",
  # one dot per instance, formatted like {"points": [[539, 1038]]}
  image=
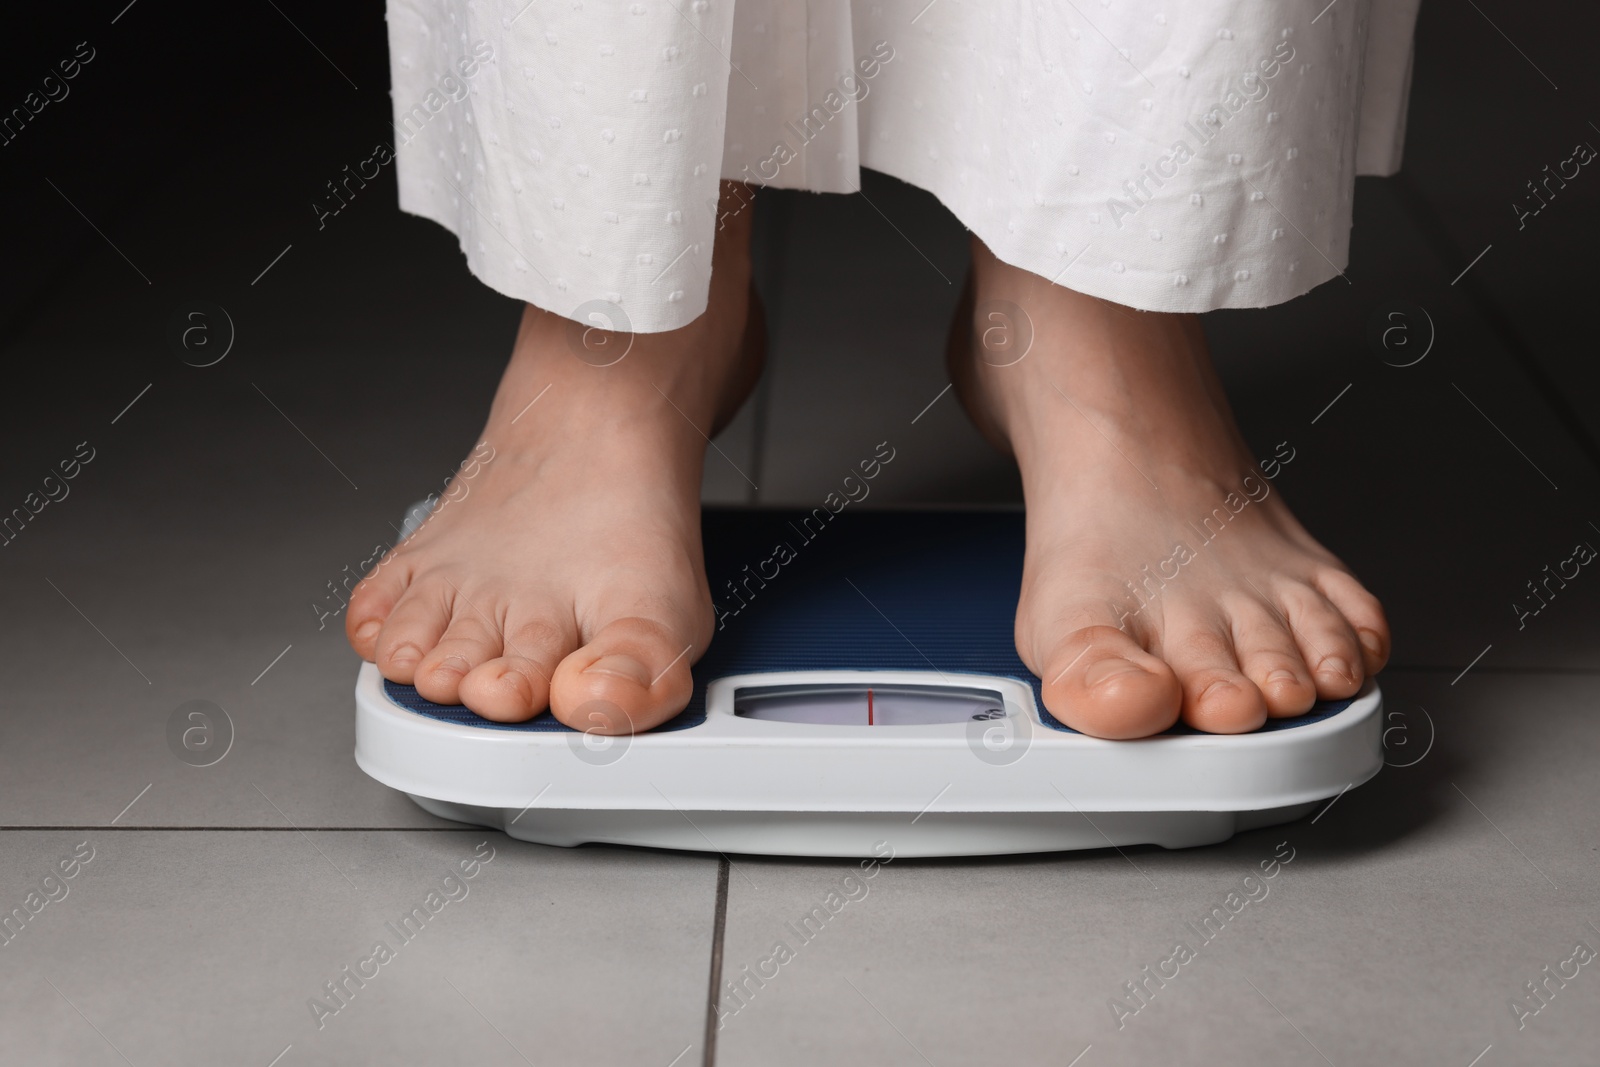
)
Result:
{"points": [[565, 569], [1164, 575]]}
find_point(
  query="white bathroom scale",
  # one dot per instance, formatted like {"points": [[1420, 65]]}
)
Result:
{"points": [[862, 691]]}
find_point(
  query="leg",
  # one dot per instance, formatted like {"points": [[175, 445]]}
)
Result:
{"points": [[570, 573], [1163, 576]]}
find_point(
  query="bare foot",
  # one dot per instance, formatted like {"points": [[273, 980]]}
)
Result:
{"points": [[1164, 575], [570, 574]]}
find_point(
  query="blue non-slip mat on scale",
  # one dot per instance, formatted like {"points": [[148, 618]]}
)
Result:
{"points": [[860, 590]]}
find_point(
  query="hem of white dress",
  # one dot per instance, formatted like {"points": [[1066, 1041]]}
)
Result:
{"points": [[517, 285], [1201, 290], [1078, 271], [1204, 289]]}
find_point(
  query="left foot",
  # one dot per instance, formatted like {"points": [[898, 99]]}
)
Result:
{"points": [[1163, 576], [568, 571]]}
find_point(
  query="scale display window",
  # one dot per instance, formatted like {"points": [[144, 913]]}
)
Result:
{"points": [[855, 704]]}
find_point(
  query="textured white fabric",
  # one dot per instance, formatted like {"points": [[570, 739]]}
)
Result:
{"points": [[1177, 155]]}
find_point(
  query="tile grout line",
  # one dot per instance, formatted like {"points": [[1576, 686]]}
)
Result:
{"points": [[718, 928]]}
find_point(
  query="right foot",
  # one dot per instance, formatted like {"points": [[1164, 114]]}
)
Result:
{"points": [[1135, 609], [570, 573]]}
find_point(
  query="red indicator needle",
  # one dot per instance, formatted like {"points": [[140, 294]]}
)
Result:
{"points": [[869, 707]]}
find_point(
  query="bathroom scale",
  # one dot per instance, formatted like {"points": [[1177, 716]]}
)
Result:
{"points": [[861, 691]]}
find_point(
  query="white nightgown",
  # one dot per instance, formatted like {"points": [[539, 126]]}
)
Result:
{"points": [[1169, 156]]}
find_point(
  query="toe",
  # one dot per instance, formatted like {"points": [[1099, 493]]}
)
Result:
{"points": [[1326, 641], [634, 675], [371, 603], [516, 686], [1362, 612], [1100, 682], [1269, 657], [409, 633], [1217, 697], [472, 639]]}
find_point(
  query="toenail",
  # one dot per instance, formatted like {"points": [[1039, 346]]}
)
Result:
{"points": [[368, 629], [1282, 676], [1220, 683], [453, 663], [405, 656], [1106, 669], [622, 667], [1372, 643], [1335, 665]]}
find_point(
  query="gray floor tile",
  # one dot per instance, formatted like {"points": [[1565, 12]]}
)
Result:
{"points": [[206, 947], [293, 727], [1399, 933], [227, 502]]}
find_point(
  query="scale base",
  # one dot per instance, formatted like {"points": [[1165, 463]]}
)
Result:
{"points": [[820, 726], [855, 833]]}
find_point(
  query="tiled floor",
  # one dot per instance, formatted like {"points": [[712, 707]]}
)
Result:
{"points": [[1403, 924], [202, 946], [222, 502]]}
